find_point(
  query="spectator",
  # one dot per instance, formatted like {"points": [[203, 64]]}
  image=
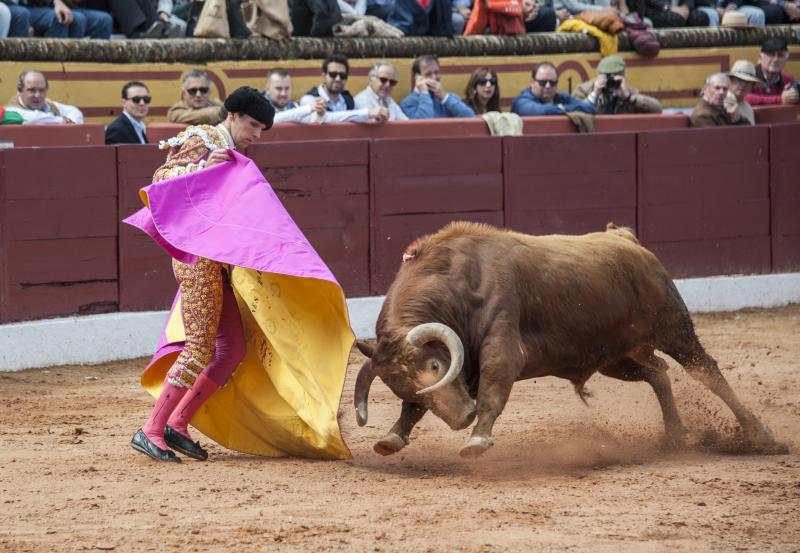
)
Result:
{"points": [[461, 10], [483, 91], [663, 13], [423, 17], [776, 87], [610, 94], [538, 18], [32, 104], [792, 10], [711, 111], [564, 9], [743, 79], [19, 18], [196, 107], [54, 19], [378, 93], [143, 18], [750, 8], [129, 128], [278, 90], [542, 98], [341, 105], [429, 100]]}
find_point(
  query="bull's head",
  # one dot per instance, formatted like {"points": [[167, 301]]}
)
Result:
{"points": [[423, 368]]}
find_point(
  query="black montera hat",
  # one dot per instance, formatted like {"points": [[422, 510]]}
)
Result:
{"points": [[774, 44], [250, 101]]}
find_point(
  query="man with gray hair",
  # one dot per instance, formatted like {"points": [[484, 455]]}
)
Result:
{"points": [[711, 111], [378, 93], [196, 106]]}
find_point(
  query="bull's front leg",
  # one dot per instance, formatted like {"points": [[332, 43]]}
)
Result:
{"points": [[398, 437], [499, 371]]}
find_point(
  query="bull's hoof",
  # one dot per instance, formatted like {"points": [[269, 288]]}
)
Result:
{"points": [[475, 447], [759, 439], [390, 443]]}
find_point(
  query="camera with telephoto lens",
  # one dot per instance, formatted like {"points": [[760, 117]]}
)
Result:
{"points": [[612, 83]]}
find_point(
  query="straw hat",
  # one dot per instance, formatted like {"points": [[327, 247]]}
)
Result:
{"points": [[744, 70], [734, 19]]}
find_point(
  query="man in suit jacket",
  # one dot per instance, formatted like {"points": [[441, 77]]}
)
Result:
{"points": [[129, 128]]}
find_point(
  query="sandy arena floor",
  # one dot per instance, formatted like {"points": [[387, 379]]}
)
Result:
{"points": [[562, 477]]}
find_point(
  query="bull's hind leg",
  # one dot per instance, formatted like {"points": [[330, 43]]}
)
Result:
{"points": [[647, 367], [398, 437], [704, 368]]}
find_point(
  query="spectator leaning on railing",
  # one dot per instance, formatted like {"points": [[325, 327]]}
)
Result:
{"points": [[341, 105], [129, 128], [32, 104], [543, 98], [196, 106], [278, 90], [712, 111], [776, 87], [429, 100], [378, 93], [610, 93]]}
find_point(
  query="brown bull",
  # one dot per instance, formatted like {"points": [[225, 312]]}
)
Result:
{"points": [[474, 309]]}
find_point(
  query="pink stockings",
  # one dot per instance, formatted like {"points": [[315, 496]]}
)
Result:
{"points": [[181, 397]]}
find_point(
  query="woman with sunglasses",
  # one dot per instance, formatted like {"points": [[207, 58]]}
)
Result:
{"points": [[483, 91], [378, 93], [129, 128]]}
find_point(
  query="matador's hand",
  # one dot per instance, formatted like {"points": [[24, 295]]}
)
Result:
{"points": [[218, 156]]}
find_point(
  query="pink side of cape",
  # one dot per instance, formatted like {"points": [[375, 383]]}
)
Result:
{"points": [[228, 213]]}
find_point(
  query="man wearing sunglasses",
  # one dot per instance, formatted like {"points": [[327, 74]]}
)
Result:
{"points": [[340, 103], [382, 80], [32, 103], [196, 106], [129, 128], [542, 97]]}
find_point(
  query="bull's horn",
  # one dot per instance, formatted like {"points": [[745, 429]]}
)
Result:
{"points": [[363, 381], [430, 332]]}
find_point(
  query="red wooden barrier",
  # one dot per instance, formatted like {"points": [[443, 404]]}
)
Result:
{"points": [[53, 135], [146, 281], [704, 199], [60, 227], [785, 196], [418, 186], [776, 114], [569, 184], [325, 187]]}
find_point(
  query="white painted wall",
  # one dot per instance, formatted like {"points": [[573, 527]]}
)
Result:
{"points": [[100, 338]]}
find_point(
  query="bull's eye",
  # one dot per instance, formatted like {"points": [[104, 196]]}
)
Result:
{"points": [[435, 366]]}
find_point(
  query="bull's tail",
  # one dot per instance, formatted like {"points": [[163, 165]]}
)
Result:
{"points": [[624, 232]]}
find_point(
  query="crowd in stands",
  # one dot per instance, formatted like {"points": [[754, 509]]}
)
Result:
{"points": [[727, 98], [167, 19]]}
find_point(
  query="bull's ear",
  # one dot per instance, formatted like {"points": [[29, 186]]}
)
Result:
{"points": [[365, 348]]}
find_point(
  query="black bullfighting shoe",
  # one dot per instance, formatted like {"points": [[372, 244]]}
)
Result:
{"points": [[140, 442], [181, 443]]}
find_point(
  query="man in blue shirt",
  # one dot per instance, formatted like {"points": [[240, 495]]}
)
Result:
{"points": [[428, 100], [541, 97]]}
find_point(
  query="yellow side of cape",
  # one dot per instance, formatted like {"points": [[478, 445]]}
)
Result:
{"points": [[284, 397]]}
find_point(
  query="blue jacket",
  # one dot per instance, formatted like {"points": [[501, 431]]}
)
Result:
{"points": [[427, 106], [414, 20], [528, 104]]}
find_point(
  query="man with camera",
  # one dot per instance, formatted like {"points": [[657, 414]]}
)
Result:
{"points": [[610, 93]]}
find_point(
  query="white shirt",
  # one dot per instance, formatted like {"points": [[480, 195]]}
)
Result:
{"points": [[337, 111], [46, 116], [367, 98]]}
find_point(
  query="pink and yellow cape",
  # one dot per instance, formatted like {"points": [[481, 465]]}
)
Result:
{"points": [[284, 397]]}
